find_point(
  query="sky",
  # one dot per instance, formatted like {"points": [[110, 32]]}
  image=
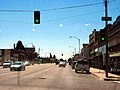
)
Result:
{"points": [[59, 19]]}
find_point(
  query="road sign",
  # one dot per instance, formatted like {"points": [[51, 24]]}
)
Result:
{"points": [[106, 18]]}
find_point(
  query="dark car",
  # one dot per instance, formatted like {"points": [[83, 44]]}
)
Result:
{"points": [[57, 62], [73, 64]]}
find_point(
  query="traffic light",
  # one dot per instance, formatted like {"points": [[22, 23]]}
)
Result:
{"points": [[102, 35], [36, 17]]}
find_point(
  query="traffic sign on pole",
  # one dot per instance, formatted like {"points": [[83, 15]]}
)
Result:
{"points": [[106, 18]]}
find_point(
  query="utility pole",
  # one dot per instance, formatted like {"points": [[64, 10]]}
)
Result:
{"points": [[106, 24], [106, 19]]}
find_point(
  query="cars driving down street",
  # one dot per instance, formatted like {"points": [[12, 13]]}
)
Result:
{"points": [[7, 64], [18, 65], [62, 64]]}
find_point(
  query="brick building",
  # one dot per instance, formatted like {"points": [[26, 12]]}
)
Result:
{"points": [[28, 53], [97, 49], [4, 55], [114, 43], [85, 51]]}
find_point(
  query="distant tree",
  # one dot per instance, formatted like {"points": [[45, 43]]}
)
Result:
{"points": [[54, 56], [50, 55], [19, 45]]}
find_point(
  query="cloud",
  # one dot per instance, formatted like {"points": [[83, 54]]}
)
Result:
{"points": [[61, 25], [33, 29], [87, 24]]}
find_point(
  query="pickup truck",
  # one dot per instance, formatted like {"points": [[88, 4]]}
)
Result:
{"points": [[82, 65]]}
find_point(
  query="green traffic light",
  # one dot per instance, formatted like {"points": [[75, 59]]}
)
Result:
{"points": [[37, 20], [103, 39]]}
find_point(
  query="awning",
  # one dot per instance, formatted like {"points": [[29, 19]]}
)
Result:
{"points": [[117, 54]]}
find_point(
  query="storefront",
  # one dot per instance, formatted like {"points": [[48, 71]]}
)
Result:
{"points": [[115, 61]]}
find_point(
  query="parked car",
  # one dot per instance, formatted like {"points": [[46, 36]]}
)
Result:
{"points": [[17, 65], [82, 65], [26, 63], [57, 62], [73, 64], [7, 64], [62, 64]]}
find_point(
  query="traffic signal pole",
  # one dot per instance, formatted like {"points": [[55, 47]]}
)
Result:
{"points": [[106, 25]]}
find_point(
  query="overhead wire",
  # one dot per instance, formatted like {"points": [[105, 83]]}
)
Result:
{"points": [[63, 8], [62, 17], [56, 9]]}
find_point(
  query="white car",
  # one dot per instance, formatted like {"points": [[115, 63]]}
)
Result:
{"points": [[62, 64], [26, 63], [7, 64], [82, 65], [17, 65]]}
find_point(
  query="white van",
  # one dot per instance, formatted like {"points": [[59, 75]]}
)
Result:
{"points": [[82, 65]]}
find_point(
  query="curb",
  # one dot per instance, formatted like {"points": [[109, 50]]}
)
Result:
{"points": [[97, 76], [106, 79]]}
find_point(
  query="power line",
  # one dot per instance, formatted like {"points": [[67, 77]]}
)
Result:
{"points": [[69, 7], [54, 9], [16, 10], [78, 6], [63, 8], [62, 17]]}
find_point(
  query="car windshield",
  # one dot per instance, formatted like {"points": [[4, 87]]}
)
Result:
{"points": [[8, 62], [17, 63], [42, 37], [82, 62]]}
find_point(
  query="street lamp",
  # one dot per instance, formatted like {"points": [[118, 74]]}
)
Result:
{"points": [[78, 41], [72, 52], [74, 49], [31, 44], [39, 51]]}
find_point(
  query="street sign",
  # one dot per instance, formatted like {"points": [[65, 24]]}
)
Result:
{"points": [[106, 18]]}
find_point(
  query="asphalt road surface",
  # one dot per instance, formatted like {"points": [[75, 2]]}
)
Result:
{"points": [[51, 77]]}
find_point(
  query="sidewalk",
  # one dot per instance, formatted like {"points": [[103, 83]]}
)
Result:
{"points": [[101, 75]]}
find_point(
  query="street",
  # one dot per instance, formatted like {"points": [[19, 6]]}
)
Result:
{"points": [[51, 77]]}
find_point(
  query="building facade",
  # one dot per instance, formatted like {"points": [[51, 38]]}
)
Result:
{"points": [[114, 44], [85, 51], [4, 55], [97, 49]]}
